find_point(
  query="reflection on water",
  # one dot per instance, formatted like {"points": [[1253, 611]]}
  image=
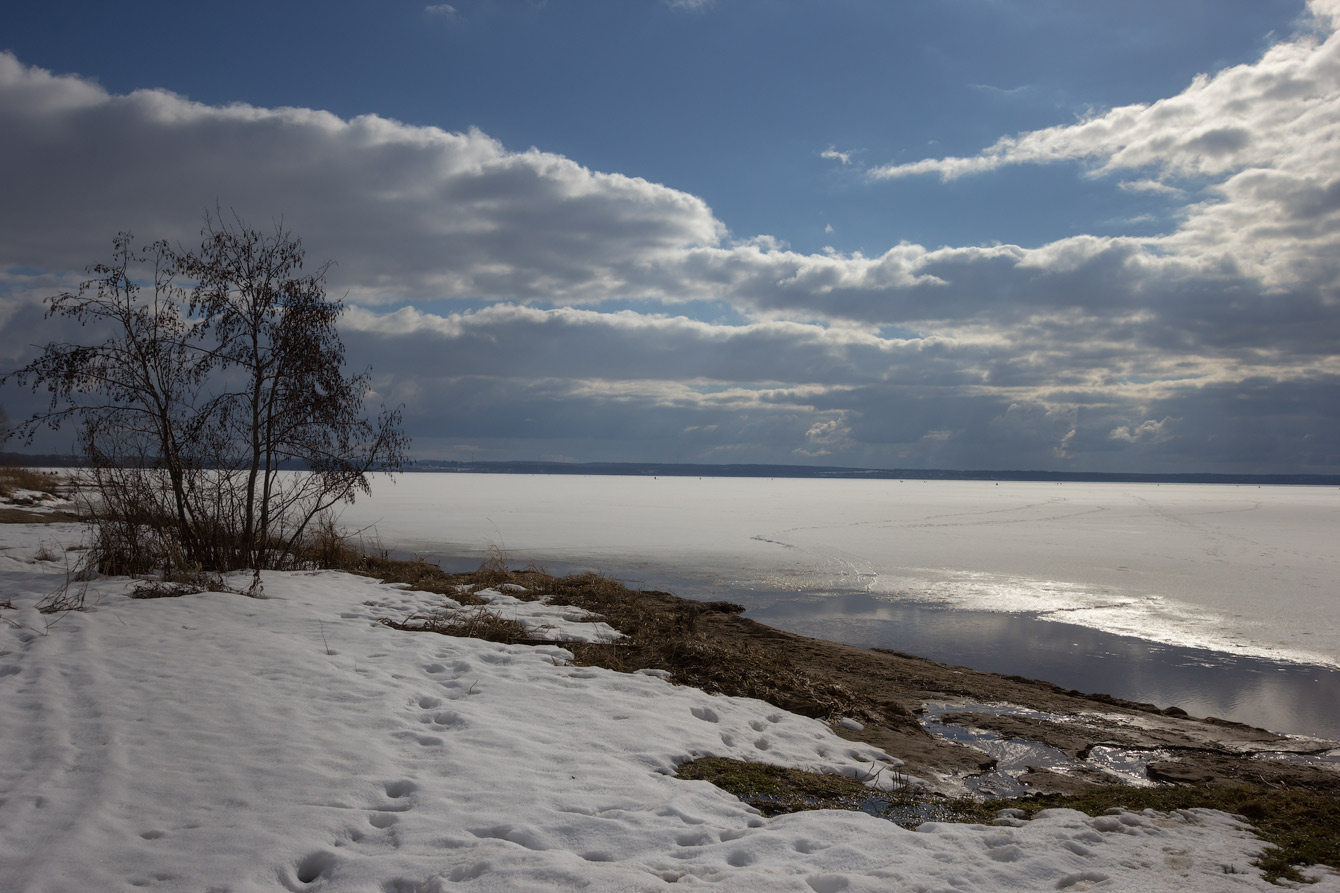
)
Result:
{"points": [[1283, 697], [1287, 698]]}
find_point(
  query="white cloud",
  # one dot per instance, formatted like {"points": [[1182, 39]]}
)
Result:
{"points": [[1085, 336], [407, 210], [1150, 431], [445, 10], [1258, 138], [1150, 186], [833, 154]]}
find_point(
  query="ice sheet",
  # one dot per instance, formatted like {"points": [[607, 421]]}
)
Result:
{"points": [[1248, 570]]}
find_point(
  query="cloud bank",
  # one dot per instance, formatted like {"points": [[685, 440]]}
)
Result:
{"points": [[523, 305]]}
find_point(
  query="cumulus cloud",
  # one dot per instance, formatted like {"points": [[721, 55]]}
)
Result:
{"points": [[1257, 137], [407, 210], [510, 297]]}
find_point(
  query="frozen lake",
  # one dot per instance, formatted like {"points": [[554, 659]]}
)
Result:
{"points": [[1224, 600]]}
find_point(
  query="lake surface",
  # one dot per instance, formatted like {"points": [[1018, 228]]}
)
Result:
{"points": [[1223, 600]]}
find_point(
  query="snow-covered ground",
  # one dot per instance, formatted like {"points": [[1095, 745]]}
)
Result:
{"points": [[218, 742]]}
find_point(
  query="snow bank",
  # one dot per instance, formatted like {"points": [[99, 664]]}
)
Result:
{"points": [[216, 742]]}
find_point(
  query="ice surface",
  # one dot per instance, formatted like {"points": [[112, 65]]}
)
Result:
{"points": [[217, 742], [1247, 570]]}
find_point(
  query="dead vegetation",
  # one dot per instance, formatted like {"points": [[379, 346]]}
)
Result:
{"points": [[22, 486], [1302, 826], [660, 631], [476, 623], [775, 790]]}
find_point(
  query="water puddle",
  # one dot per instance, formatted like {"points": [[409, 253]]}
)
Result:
{"points": [[1328, 759], [1016, 756]]}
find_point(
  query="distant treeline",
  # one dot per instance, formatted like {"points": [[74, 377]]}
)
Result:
{"points": [[662, 469], [649, 469], [66, 460]]}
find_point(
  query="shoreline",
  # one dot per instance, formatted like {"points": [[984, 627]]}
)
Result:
{"points": [[886, 692], [1240, 687]]}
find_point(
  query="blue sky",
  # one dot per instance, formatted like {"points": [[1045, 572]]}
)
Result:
{"points": [[968, 233]]}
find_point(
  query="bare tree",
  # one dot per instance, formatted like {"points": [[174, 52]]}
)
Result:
{"points": [[136, 391], [273, 332], [218, 375]]}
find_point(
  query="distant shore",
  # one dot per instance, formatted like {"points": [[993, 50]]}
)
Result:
{"points": [[680, 469]]}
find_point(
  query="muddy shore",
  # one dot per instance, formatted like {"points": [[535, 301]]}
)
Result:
{"points": [[883, 695], [1185, 749]]}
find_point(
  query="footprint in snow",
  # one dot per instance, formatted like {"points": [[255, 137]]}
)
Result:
{"points": [[425, 740], [312, 868], [447, 719]]}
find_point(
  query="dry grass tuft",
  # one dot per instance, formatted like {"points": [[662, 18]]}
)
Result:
{"points": [[47, 485], [480, 623], [69, 597], [418, 574], [179, 585], [325, 545]]}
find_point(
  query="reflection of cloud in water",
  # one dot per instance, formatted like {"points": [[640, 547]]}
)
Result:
{"points": [[1290, 698], [1146, 616]]}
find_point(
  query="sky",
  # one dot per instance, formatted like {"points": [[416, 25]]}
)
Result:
{"points": [[971, 234]]}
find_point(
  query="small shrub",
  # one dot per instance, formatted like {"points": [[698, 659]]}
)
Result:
{"points": [[68, 598], [326, 546]]}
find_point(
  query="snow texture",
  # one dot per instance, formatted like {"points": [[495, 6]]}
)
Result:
{"points": [[222, 743]]}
